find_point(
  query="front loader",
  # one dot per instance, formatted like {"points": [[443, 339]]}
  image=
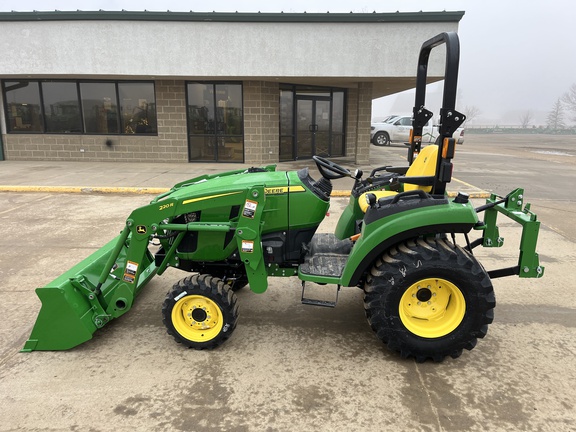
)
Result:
{"points": [[401, 240]]}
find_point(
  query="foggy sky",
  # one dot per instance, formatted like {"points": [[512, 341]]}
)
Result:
{"points": [[516, 55]]}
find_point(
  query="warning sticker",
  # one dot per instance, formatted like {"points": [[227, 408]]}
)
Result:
{"points": [[249, 209], [247, 246], [130, 272]]}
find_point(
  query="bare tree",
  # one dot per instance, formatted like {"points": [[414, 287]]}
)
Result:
{"points": [[471, 112], [569, 99], [526, 119], [556, 116]]}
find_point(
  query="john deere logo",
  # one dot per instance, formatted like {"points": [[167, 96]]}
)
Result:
{"points": [[141, 229]]}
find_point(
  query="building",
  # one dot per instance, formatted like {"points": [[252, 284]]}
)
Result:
{"points": [[221, 87]]}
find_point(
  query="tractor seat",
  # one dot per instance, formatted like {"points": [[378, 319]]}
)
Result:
{"points": [[423, 166]]}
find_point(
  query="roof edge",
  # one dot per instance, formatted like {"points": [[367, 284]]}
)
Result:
{"points": [[304, 17]]}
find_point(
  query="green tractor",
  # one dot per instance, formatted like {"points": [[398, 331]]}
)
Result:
{"points": [[425, 296]]}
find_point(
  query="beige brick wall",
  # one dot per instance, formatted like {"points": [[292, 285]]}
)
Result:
{"points": [[261, 122], [351, 121], [171, 144], [358, 119], [364, 119]]}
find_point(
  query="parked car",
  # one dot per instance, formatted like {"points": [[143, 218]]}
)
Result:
{"points": [[397, 129]]}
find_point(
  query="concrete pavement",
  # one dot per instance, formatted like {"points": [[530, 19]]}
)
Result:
{"points": [[287, 366]]}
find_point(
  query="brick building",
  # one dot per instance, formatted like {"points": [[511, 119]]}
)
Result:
{"points": [[219, 87]]}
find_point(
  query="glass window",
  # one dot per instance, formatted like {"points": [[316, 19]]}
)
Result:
{"points": [[201, 108], [229, 109], [338, 112], [55, 106], [23, 106], [138, 108], [61, 107], [99, 107], [286, 112], [215, 122], [286, 124]]}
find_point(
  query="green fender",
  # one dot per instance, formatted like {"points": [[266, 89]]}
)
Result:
{"points": [[382, 233]]}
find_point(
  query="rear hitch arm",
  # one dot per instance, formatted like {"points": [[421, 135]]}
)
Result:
{"points": [[512, 207]]}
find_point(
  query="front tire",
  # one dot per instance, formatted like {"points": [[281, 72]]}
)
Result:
{"points": [[200, 312], [381, 139], [429, 299]]}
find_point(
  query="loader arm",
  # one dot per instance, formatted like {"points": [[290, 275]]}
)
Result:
{"points": [[104, 285]]}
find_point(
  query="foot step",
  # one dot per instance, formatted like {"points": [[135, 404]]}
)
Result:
{"points": [[322, 303]]}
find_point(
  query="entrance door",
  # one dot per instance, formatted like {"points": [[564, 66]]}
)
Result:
{"points": [[312, 126]]}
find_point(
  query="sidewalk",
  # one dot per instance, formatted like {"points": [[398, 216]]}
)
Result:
{"points": [[147, 178]]}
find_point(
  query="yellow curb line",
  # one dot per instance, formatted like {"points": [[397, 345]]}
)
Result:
{"points": [[152, 191], [84, 189]]}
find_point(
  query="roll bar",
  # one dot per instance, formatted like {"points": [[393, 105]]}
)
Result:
{"points": [[450, 119]]}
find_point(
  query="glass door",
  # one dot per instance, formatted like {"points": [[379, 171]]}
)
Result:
{"points": [[312, 126]]}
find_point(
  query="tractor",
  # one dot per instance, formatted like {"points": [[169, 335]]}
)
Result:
{"points": [[401, 239]]}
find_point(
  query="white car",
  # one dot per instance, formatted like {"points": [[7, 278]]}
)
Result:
{"points": [[397, 129]]}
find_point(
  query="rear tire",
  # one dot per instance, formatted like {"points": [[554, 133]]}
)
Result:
{"points": [[200, 312], [381, 139], [429, 299]]}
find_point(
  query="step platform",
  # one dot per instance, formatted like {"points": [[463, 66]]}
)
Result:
{"points": [[326, 256]]}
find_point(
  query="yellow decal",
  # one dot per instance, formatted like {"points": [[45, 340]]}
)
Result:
{"points": [[165, 206], [209, 197], [283, 190]]}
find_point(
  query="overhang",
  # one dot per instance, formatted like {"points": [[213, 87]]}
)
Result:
{"points": [[335, 49]]}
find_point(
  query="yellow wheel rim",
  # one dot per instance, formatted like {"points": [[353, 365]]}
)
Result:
{"points": [[197, 318], [432, 308]]}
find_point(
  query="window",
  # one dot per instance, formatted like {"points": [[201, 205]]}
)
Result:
{"points": [[89, 107], [137, 108], [215, 122], [23, 110], [286, 124], [99, 108], [61, 107]]}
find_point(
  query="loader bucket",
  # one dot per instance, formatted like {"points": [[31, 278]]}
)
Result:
{"points": [[71, 312]]}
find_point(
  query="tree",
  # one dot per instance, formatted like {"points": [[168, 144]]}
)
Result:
{"points": [[555, 119], [526, 119], [569, 99], [471, 112]]}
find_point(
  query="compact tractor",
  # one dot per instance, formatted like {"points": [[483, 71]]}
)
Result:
{"points": [[425, 294]]}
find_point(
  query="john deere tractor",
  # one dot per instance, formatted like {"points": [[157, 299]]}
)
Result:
{"points": [[401, 239]]}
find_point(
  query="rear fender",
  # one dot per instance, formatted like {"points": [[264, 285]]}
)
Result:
{"points": [[381, 234]]}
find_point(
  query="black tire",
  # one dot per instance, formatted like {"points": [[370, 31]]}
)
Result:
{"points": [[200, 312], [381, 139], [408, 310]]}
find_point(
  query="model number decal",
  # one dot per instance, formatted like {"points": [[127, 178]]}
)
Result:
{"points": [[165, 206]]}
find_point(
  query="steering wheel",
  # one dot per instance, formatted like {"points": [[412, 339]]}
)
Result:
{"points": [[331, 170]]}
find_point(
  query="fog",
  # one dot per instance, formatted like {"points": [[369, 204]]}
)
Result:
{"points": [[516, 55]]}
